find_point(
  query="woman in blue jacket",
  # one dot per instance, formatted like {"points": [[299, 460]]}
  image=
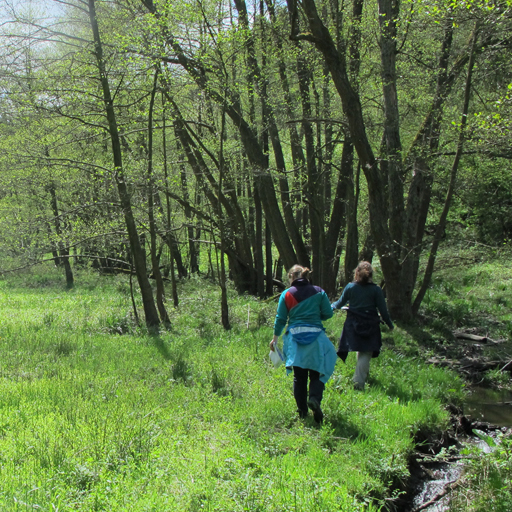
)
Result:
{"points": [[307, 349], [361, 332]]}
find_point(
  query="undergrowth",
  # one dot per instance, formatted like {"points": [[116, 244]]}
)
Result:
{"points": [[98, 414], [487, 481]]}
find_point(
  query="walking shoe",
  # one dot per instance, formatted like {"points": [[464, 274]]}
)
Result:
{"points": [[302, 414], [317, 411]]}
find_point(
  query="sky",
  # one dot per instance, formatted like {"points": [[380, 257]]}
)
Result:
{"points": [[43, 8]]}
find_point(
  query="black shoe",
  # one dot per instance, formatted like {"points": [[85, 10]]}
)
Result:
{"points": [[302, 414], [317, 411]]}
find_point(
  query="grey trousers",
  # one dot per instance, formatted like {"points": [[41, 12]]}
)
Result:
{"points": [[362, 369]]}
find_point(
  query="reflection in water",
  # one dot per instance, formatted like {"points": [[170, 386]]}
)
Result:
{"points": [[490, 406]]}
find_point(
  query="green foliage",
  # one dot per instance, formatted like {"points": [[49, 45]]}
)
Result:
{"points": [[487, 483], [192, 418], [486, 201], [471, 296]]}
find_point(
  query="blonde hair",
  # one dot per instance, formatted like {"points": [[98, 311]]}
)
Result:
{"points": [[363, 273], [297, 272]]}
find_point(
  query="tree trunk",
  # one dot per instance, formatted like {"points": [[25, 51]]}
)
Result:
{"points": [[352, 195], [222, 277], [339, 214], [453, 177], [63, 253], [160, 292], [258, 245], [269, 262], [388, 15], [193, 249], [314, 189], [150, 310]]}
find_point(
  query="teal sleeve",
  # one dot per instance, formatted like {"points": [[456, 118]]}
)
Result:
{"points": [[383, 309], [342, 300], [326, 311], [281, 316]]}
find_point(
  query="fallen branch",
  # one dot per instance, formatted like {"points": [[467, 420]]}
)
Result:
{"points": [[476, 338], [472, 337], [447, 489], [507, 367]]}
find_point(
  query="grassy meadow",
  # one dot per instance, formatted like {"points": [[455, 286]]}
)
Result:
{"points": [[97, 414]]}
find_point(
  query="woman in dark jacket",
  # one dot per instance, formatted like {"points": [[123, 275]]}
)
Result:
{"points": [[361, 332]]}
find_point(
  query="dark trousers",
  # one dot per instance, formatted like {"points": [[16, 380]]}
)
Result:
{"points": [[300, 387]]}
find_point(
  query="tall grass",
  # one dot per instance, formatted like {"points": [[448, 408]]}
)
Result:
{"points": [[487, 481], [96, 414]]}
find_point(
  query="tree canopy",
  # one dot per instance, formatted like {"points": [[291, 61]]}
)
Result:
{"points": [[162, 137]]}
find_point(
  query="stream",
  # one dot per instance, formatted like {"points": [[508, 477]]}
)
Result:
{"points": [[490, 406], [484, 407]]}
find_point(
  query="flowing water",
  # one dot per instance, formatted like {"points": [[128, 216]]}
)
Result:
{"points": [[442, 476], [482, 405]]}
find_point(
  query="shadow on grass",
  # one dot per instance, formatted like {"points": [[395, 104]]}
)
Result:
{"points": [[394, 390], [416, 339], [343, 428], [430, 339], [160, 345]]}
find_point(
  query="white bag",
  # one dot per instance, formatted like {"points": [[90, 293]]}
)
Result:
{"points": [[276, 356]]}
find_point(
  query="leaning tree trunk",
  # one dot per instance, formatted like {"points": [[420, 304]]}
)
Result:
{"points": [[453, 176], [148, 301]]}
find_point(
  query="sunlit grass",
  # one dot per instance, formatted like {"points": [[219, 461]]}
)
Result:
{"points": [[98, 415]]}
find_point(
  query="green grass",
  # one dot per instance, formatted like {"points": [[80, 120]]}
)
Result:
{"points": [[487, 482], [478, 296], [96, 414]]}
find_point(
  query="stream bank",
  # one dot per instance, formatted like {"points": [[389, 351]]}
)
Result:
{"points": [[438, 465]]}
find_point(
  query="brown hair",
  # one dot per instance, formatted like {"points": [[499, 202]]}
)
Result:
{"points": [[297, 272], [363, 273]]}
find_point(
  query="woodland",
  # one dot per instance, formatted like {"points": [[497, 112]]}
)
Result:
{"points": [[168, 138], [163, 163]]}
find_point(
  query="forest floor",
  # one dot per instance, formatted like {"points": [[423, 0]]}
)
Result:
{"points": [[466, 326], [97, 414]]}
